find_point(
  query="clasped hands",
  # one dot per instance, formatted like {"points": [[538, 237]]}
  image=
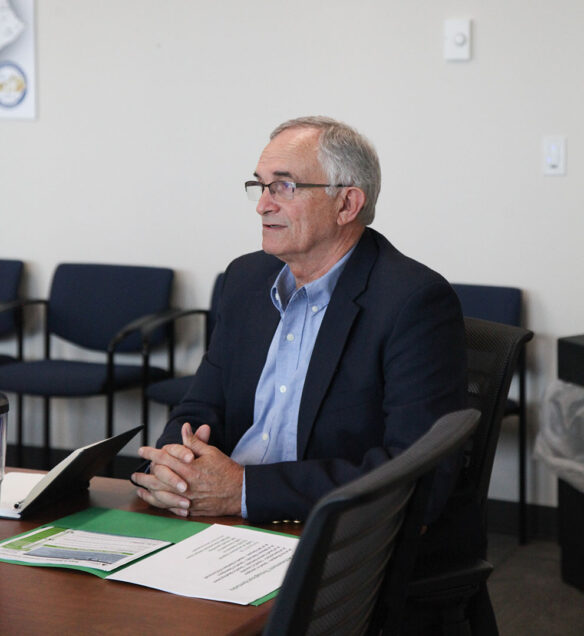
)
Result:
{"points": [[191, 478]]}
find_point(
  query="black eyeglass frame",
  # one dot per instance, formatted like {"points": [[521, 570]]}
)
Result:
{"points": [[290, 183]]}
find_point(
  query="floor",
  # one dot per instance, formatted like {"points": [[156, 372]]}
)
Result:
{"points": [[527, 591]]}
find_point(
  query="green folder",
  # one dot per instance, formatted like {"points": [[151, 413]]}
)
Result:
{"points": [[128, 524]]}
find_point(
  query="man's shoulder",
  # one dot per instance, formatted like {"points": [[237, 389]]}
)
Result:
{"points": [[252, 270], [396, 272]]}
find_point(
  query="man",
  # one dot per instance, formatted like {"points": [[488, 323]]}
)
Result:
{"points": [[332, 352]]}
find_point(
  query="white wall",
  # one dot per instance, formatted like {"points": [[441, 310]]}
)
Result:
{"points": [[151, 115]]}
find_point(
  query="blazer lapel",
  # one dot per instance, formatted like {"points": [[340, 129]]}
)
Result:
{"points": [[332, 336]]}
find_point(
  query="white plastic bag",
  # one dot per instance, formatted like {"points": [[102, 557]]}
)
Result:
{"points": [[560, 441]]}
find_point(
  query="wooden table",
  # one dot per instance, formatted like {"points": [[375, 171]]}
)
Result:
{"points": [[48, 601]]}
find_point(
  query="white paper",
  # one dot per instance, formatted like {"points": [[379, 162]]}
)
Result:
{"points": [[220, 563], [51, 545], [15, 488], [17, 60], [10, 25]]}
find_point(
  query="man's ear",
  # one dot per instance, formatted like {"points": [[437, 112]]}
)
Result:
{"points": [[352, 202]]}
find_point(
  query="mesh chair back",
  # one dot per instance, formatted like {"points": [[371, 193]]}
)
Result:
{"points": [[498, 304], [492, 352], [10, 276], [90, 303], [335, 579]]}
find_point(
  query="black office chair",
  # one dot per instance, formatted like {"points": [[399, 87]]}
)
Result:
{"points": [[447, 589], [10, 309], [97, 307], [504, 304], [349, 571], [171, 390]]}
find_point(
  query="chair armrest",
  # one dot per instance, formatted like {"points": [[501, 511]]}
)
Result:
{"points": [[21, 302], [135, 325], [165, 318]]}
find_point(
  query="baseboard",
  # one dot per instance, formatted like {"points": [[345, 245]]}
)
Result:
{"points": [[542, 521]]}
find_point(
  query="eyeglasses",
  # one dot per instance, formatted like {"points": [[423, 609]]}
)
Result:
{"points": [[281, 189]]}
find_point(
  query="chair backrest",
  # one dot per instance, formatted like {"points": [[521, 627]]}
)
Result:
{"points": [[10, 277], [339, 572], [90, 303], [492, 352], [489, 302]]}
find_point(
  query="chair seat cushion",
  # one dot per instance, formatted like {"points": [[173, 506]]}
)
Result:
{"points": [[169, 391], [63, 378]]}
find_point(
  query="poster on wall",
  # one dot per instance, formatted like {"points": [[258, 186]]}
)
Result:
{"points": [[17, 60]]}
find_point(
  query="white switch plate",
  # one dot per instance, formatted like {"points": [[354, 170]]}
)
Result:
{"points": [[554, 155], [457, 40]]}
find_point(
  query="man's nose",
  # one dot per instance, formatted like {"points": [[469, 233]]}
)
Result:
{"points": [[266, 202]]}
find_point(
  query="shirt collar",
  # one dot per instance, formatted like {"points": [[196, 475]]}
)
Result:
{"points": [[318, 292]]}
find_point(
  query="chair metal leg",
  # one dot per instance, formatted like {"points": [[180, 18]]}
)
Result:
{"points": [[19, 428], [145, 418], [109, 426], [47, 432], [522, 480], [109, 469], [522, 452]]}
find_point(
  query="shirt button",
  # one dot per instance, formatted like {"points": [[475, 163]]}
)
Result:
{"points": [[283, 388], [314, 308], [290, 337], [265, 437]]}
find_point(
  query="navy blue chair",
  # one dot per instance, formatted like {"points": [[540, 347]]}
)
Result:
{"points": [[10, 309], [504, 305], [451, 592], [100, 308], [350, 570], [171, 391]]}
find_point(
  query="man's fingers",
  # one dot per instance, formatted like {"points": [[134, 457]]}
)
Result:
{"points": [[160, 479], [190, 439], [177, 451], [203, 433], [165, 499]]}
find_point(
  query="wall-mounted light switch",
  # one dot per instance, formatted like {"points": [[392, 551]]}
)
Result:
{"points": [[457, 39], [554, 155]]}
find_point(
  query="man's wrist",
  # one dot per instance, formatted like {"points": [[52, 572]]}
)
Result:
{"points": [[243, 498]]}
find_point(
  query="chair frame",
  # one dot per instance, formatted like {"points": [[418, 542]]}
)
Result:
{"points": [[408, 477], [133, 326], [449, 588], [13, 271], [110, 351], [509, 313], [167, 320]]}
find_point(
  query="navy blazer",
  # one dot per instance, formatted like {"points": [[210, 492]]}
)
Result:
{"points": [[389, 360]]}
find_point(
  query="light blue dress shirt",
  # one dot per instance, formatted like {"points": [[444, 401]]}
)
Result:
{"points": [[273, 434]]}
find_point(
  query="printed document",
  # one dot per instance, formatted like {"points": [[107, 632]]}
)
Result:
{"points": [[51, 545], [220, 563]]}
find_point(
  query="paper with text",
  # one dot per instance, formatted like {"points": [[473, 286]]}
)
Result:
{"points": [[51, 545], [221, 563]]}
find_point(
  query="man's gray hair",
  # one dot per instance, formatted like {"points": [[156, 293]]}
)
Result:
{"points": [[346, 156]]}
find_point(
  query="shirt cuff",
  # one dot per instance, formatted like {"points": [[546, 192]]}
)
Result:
{"points": [[243, 501]]}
